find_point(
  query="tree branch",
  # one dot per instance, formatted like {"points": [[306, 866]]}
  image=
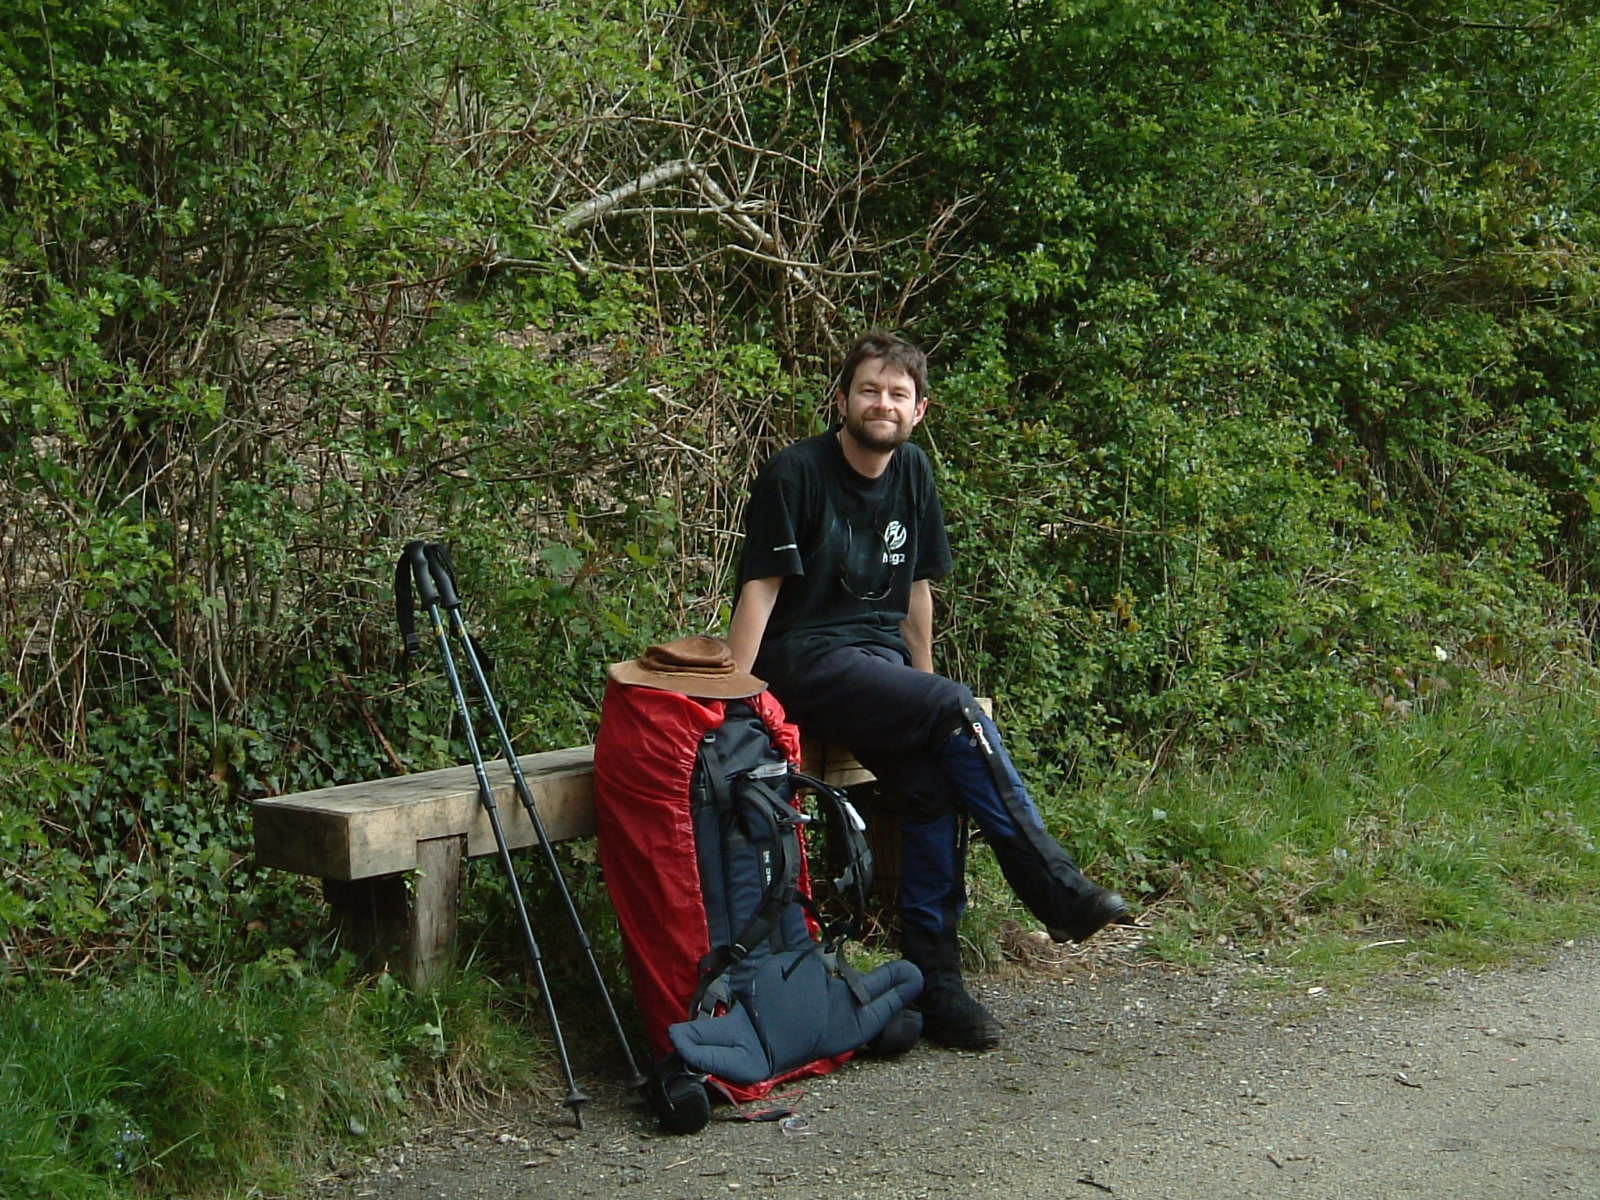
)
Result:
{"points": [[593, 210]]}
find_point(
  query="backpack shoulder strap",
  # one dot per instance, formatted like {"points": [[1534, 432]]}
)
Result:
{"points": [[757, 801], [855, 881]]}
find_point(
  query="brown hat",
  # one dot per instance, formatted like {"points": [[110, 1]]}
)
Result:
{"points": [[694, 666]]}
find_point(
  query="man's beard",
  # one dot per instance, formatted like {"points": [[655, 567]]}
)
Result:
{"points": [[867, 435]]}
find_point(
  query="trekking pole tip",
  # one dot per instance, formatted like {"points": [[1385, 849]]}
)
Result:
{"points": [[575, 1101]]}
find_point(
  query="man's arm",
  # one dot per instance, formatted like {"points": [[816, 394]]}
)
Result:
{"points": [[918, 625], [751, 613]]}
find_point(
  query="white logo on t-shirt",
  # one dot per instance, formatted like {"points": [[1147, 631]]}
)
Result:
{"points": [[894, 536]]}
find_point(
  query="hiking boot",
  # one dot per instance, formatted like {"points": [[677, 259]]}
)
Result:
{"points": [[1101, 908], [950, 1016]]}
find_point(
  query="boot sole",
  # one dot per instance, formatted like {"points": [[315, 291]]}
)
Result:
{"points": [[985, 1042]]}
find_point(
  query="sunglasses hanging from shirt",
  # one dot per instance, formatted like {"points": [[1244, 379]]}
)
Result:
{"points": [[867, 567]]}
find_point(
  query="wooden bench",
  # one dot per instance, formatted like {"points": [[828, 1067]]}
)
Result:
{"points": [[389, 852]]}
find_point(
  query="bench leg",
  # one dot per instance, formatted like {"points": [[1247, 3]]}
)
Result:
{"points": [[370, 916], [431, 935], [885, 814], [404, 922]]}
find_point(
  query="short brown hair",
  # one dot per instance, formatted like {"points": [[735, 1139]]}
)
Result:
{"points": [[892, 349]]}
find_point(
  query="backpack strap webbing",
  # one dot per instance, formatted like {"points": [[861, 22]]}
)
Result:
{"points": [[404, 608], [853, 883], [779, 821]]}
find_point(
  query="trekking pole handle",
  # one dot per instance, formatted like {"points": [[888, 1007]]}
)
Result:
{"points": [[416, 557], [441, 577]]}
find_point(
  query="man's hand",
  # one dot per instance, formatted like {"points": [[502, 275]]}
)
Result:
{"points": [[751, 612]]}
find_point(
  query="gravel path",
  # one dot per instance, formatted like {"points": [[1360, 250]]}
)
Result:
{"points": [[1122, 1080]]}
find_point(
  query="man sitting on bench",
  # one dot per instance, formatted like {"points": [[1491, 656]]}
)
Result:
{"points": [[843, 533]]}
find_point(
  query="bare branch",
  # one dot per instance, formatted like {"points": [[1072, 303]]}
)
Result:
{"points": [[789, 72], [764, 240], [592, 210]]}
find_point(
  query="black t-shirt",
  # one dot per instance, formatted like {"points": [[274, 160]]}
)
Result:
{"points": [[848, 549]]}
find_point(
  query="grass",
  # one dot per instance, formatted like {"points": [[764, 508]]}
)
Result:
{"points": [[213, 1084], [1466, 833]]}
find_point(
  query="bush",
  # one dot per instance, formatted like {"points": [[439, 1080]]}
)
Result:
{"points": [[1264, 374]]}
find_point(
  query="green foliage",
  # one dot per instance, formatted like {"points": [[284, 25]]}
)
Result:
{"points": [[490, 936], [1466, 829], [1265, 411], [262, 319], [1249, 392], [187, 1083], [1265, 374]]}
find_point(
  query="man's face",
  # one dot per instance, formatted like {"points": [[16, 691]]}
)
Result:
{"points": [[881, 408]]}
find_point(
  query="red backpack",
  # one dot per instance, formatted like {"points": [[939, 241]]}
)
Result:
{"points": [[701, 841]]}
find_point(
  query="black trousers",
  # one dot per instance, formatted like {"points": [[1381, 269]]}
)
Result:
{"points": [[892, 716], [923, 736], [894, 719]]}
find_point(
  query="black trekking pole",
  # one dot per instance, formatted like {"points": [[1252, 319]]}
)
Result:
{"points": [[415, 560], [450, 601]]}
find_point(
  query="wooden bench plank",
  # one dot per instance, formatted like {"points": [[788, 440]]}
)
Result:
{"points": [[363, 830]]}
